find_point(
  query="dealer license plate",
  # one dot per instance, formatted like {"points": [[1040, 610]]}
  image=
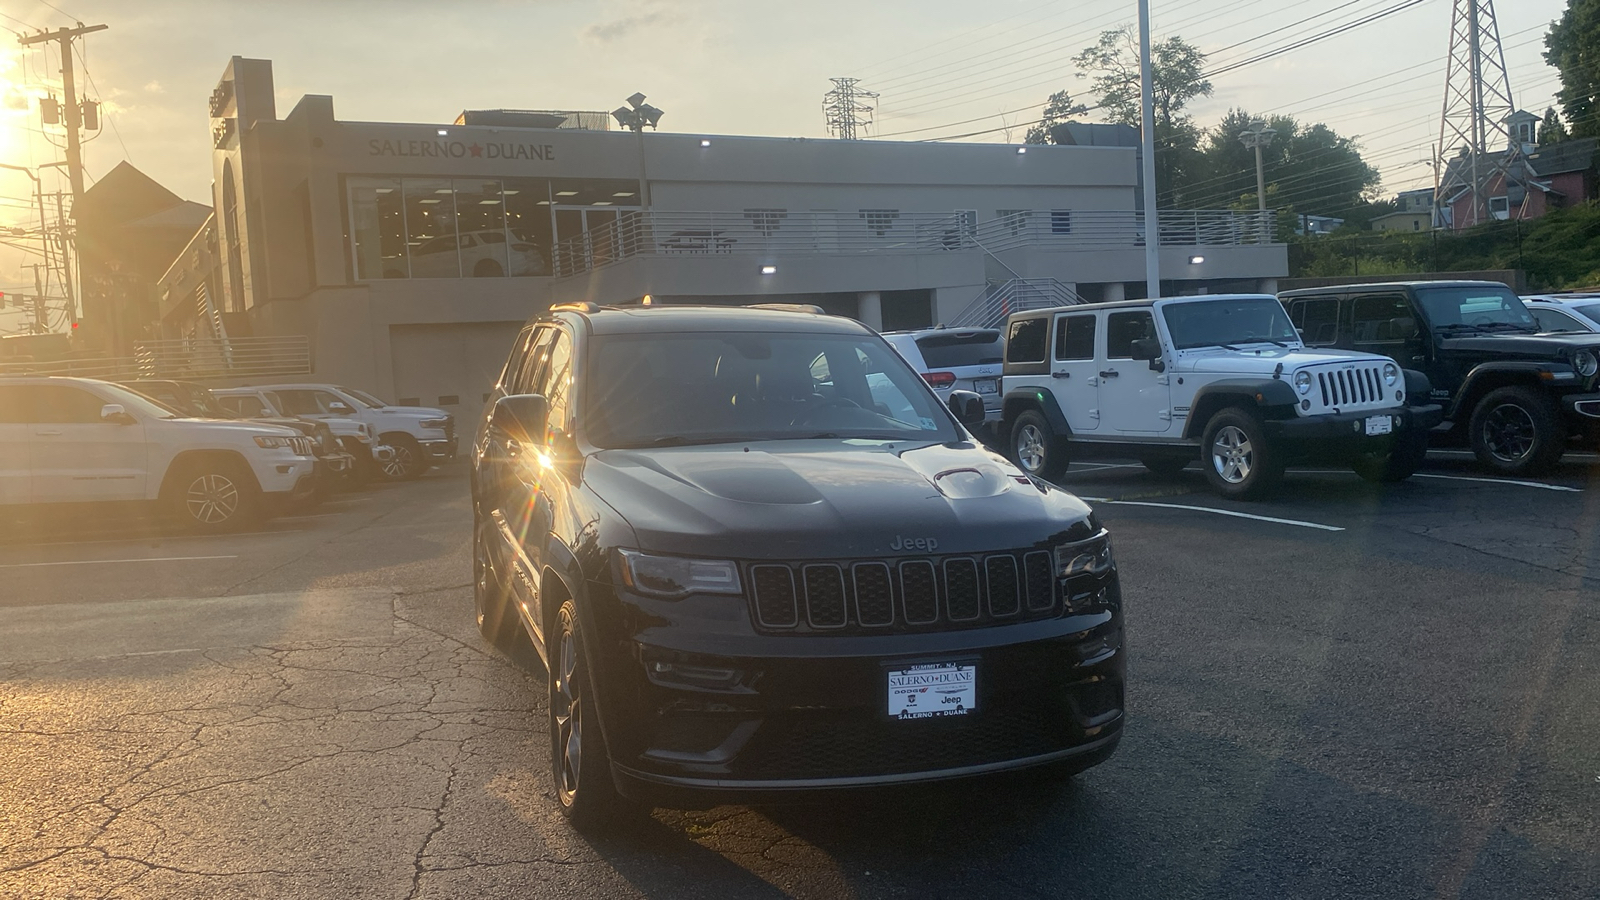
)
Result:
{"points": [[987, 385], [928, 691], [1379, 425]]}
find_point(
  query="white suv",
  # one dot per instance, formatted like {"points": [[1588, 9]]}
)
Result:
{"points": [[1224, 379], [74, 440], [956, 359], [410, 438]]}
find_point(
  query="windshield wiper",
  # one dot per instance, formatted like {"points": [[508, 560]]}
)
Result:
{"points": [[1520, 326], [1456, 326]]}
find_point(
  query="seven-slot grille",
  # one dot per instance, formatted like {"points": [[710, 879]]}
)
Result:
{"points": [[868, 595], [300, 445], [1348, 388]]}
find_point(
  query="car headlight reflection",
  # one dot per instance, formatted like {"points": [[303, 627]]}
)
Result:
{"points": [[1391, 374], [266, 442], [673, 577], [1584, 361], [1302, 382], [1091, 557]]}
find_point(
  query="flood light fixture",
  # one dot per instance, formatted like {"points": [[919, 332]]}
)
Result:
{"points": [[769, 270], [1196, 260]]}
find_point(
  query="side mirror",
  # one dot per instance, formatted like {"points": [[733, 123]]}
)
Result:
{"points": [[521, 417], [115, 414], [340, 407], [968, 408]]}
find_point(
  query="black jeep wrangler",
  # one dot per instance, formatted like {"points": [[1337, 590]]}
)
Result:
{"points": [[1518, 398], [758, 556]]}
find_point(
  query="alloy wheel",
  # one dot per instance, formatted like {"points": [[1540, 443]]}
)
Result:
{"points": [[1232, 454], [401, 463], [212, 499], [568, 709], [1030, 448], [1509, 432]]}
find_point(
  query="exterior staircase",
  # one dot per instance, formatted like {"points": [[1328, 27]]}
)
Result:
{"points": [[1017, 295]]}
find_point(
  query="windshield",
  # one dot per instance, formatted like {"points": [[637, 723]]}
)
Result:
{"points": [[1476, 308], [365, 397], [1222, 323], [136, 403], [710, 388], [957, 349]]}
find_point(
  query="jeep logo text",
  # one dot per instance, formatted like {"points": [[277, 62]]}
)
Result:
{"points": [[924, 545]]}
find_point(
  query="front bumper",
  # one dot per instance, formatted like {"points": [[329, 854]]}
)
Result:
{"points": [[808, 713], [1350, 428], [1582, 414], [437, 451]]}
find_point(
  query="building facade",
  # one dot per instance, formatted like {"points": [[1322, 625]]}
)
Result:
{"points": [[409, 254]]}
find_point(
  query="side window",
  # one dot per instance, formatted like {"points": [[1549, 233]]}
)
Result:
{"points": [[1123, 328], [297, 403], [58, 404], [13, 404], [1382, 319], [519, 352], [556, 383], [1317, 318], [1026, 342], [1551, 321], [1075, 337], [528, 378]]}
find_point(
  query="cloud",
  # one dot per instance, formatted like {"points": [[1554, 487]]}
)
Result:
{"points": [[617, 29], [154, 87]]}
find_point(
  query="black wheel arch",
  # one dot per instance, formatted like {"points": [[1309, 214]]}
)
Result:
{"points": [[1040, 400], [1490, 376], [1269, 398]]}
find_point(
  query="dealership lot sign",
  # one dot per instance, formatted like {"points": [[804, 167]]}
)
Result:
{"points": [[460, 150]]}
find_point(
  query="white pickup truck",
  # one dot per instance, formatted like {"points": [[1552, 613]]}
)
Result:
{"points": [[75, 440], [410, 438]]}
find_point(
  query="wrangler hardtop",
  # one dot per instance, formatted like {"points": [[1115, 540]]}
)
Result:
{"points": [[1220, 378], [1518, 398]]}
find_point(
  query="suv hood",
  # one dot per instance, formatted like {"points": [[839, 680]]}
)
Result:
{"points": [[241, 428], [420, 412], [1513, 345], [830, 499], [1260, 359]]}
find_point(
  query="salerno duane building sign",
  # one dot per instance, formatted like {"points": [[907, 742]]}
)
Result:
{"points": [[436, 149]]}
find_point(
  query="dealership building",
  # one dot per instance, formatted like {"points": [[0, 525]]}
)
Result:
{"points": [[409, 254]]}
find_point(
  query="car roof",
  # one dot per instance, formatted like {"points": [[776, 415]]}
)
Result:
{"points": [[1389, 285], [672, 318], [918, 333], [50, 379], [1136, 304]]}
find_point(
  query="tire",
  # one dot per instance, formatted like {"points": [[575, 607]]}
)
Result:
{"points": [[408, 463], [213, 496], [1036, 449], [1404, 457], [1239, 462], [579, 764], [1517, 431], [498, 622], [1163, 466]]}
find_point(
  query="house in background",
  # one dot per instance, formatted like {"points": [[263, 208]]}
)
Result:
{"points": [[1413, 212], [1522, 181]]}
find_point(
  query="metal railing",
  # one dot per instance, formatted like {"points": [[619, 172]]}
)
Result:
{"points": [[762, 232], [1100, 229], [192, 359], [1016, 295]]}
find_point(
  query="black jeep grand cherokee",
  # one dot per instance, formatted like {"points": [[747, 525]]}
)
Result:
{"points": [[757, 556]]}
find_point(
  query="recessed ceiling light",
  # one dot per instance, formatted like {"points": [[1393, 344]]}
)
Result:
{"points": [[601, 203], [385, 190], [431, 200], [566, 193], [509, 193], [488, 202], [624, 193], [542, 203], [442, 191]]}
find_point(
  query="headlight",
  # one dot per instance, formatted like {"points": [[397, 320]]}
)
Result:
{"points": [[672, 577], [1391, 374], [272, 442], [1302, 382], [436, 423], [1585, 363], [1091, 557]]}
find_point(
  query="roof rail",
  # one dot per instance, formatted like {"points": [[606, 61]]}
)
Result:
{"points": [[583, 306], [791, 307]]}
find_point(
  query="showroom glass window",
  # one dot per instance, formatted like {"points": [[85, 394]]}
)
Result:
{"points": [[431, 228]]}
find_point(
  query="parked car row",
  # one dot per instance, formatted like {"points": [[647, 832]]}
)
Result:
{"points": [[1362, 375], [209, 459]]}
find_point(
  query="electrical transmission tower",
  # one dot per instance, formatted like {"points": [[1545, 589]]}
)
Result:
{"points": [[1477, 103], [844, 109]]}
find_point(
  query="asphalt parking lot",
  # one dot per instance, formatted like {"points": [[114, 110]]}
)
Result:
{"points": [[1347, 691]]}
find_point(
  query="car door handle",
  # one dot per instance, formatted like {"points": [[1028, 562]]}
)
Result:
{"points": [[1060, 374], [1110, 373], [48, 433]]}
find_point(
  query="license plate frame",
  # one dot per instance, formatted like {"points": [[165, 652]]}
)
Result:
{"points": [[1378, 425], [936, 689], [986, 385]]}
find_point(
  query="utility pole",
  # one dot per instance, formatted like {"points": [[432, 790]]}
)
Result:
{"points": [[41, 321], [1152, 220], [1259, 135], [69, 87], [66, 262]]}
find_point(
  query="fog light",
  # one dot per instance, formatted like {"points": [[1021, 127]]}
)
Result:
{"points": [[1305, 404], [1399, 395], [1356, 427]]}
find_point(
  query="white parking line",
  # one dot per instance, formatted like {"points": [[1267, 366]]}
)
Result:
{"points": [[1220, 512], [1532, 484], [97, 562]]}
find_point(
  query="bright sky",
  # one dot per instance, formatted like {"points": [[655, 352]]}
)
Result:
{"points": [[943, 68]]}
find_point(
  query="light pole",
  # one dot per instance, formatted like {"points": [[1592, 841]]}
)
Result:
{"points": [[635, 117], [1255, 137], [1152, 222]]}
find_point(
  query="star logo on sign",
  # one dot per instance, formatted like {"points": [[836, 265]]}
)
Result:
{"points": [[477, 150]]}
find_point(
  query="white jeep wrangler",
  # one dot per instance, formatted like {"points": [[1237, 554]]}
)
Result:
{"points": [[1224, 379]]}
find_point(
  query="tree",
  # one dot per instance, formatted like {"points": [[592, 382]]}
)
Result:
{"points": [[1312, 169], [1057, 110], [1551, 130], [1572, 46], [1175, 75]]}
